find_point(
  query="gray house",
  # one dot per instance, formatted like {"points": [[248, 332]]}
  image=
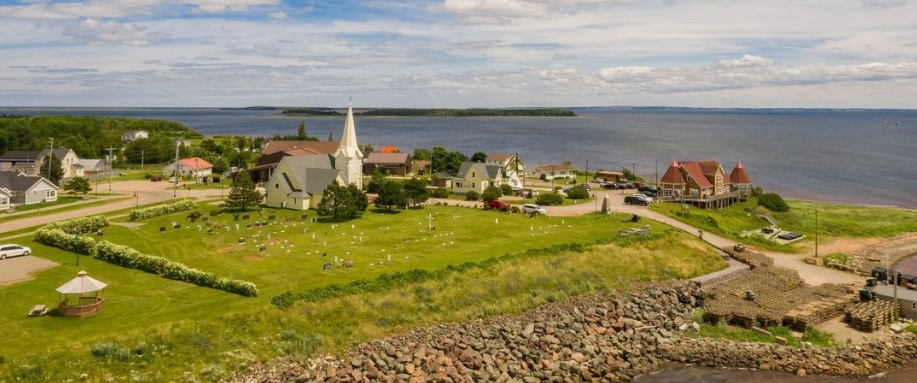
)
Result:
{"points": [[299, 182], [27, 190], [907, 299]]}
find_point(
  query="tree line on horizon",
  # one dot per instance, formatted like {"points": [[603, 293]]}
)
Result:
{"points": [[419, 112]]}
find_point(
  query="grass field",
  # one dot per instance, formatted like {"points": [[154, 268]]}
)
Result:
{"points": [[833, 220], [146, 309]]}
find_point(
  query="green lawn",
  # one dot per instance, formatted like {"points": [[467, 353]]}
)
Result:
{"points": [[173, 318], [834, 220]]}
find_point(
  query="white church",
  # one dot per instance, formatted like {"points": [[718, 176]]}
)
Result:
{"points": [[299, 181]]}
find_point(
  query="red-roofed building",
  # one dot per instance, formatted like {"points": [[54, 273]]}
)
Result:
{"points": [[703, 183], [276, 150], [194, 168]]}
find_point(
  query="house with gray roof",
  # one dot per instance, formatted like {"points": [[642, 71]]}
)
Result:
{"points": [[6, 198], [26, 190], [29, 162], [298, 182], [396, 164], [476, 176]]}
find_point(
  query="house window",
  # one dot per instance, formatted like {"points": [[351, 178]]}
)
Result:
{"points": [[458, 184], [472, 185], [689, 178], [4, 201], [667, 191], [472, 174], [719, 178], [52, 193], [693, 192]]}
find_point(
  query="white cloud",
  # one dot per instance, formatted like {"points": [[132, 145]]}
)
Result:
{"points": [[279, 15], [95, 31]]}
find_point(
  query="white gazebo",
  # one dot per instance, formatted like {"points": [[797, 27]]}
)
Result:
{"points": [[81, 296]]}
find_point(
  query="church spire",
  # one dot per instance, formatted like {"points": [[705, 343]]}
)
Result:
{"points": [[349, 138]]}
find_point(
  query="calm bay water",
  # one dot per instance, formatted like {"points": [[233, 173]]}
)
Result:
{"points": [[863, 156], [858, 156]]}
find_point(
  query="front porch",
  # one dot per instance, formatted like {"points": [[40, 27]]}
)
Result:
{"points": [[718, 201]]}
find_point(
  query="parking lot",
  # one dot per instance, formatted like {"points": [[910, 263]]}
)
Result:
{"points": [[20, 268]]}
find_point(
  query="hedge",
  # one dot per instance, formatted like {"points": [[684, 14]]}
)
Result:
{"points": [[61, 239], [79, 225], [131, 258], [158, 210]]}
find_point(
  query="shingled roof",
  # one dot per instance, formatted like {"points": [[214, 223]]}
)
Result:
{"points": [[673, 175], [739, 176]]}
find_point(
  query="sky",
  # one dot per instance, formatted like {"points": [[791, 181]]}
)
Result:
{"points": [[459, 53]]}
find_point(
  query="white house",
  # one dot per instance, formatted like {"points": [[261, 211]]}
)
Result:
{"points": [[30, 162], [195, 168], [476, 176], [6, 198], [550, 172], [509, 162], [26, 190], [132, 135]]}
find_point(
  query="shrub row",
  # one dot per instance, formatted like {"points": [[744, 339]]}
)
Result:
{"points": [[61, 239], [129, 257], [158, 210], [80, 225], [403, 278]]}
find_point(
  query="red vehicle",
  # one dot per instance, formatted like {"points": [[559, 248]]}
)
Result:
{"points": [[155, 179], [496, 205]]}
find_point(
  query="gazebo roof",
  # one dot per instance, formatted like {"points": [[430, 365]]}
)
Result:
{"points": [[83, 283]]}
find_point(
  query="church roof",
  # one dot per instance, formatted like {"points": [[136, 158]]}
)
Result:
{"points": [[739, 176], [275, 146], [348, 144]]}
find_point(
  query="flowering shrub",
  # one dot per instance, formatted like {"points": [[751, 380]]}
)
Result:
{"points": [[158, 210], [80, 225], [129, 257], [61, 239]]}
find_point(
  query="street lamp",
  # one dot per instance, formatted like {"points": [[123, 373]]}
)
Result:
{"points": [[76, 238], [137, 198]]}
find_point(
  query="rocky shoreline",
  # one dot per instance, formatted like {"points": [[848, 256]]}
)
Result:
{"points": [[589, 338]]}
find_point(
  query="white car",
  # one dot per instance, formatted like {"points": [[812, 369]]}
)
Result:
{"points": [[533, 209], [12, 250]]}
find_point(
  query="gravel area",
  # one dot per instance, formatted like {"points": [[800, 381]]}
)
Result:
{"points": [[21, 268]]}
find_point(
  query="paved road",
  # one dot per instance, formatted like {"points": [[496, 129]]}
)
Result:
{"points": [[146, 192]]}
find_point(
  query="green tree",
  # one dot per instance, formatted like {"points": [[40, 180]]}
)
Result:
{"points": [[421, 154], [415, 191], [391, 195], [578, 192], [472, 196], [342, 202], [506, 189], [366, 149], [78, 185], [549, 199], [242, 193], [301, 131], [491, 193], [57, 170], [479, 157], [376, 181]]}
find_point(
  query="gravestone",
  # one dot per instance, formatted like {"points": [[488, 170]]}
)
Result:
{"points": [[326, 267], [241, 240], [162, 229], [245, 216]]}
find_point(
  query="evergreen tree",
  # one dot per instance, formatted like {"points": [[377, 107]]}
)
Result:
{"points": [[301, 132], [342, 202], [415, 191], [78, 185], [57, 169], [242, 193], [391, 195]]}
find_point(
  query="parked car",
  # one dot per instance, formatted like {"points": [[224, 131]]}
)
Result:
{"points": [[531, 208], [644, 196], [635, 200], [649, 193], [155, 178], [13, 250], [646, 188]]}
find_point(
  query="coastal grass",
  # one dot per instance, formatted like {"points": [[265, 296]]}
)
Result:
{"points": [[157, 329], [724, 331], [834, 221]]}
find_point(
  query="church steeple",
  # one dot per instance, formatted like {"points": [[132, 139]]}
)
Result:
{"points": [[348, 156]]}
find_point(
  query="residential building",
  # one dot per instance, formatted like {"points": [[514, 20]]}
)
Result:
{"points": [[741, 182], [26, 190], [133, 135], [29, 162], [192, 168], [476, 176], [550, 172], [92, 166], [507, 161], [397, 164], [6, 198], [441, 180], [702, 183]]}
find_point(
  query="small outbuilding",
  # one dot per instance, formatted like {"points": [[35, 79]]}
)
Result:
{"points": [[81, 297], [907, 299]]}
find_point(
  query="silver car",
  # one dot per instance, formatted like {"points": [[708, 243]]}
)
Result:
{"points": [[533, 209], [12, 250]]}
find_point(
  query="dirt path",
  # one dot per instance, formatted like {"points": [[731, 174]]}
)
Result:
{"points": [[22, 268]]}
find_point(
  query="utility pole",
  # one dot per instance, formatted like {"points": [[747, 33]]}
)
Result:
{"points": [[175, 184], [141, 159], [50, 157], [111, 170], [816, 233]]}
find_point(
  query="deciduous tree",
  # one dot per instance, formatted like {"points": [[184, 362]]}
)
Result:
{"points": [[415, 191], [391, 195], [78, 185]]}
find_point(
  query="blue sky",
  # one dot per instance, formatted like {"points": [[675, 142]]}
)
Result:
{"points": [[459, 53]]}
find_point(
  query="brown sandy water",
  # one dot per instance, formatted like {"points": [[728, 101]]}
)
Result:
{"points": [[905, 374]]}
